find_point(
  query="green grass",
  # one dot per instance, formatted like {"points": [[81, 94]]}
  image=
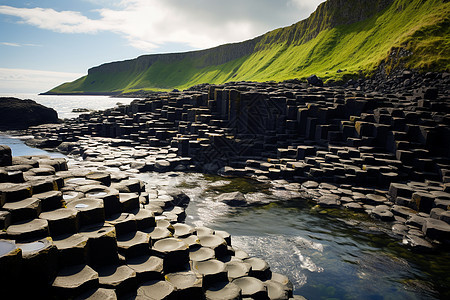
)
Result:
{"points": [[419, 26]]}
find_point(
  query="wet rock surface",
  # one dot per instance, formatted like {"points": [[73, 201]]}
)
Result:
{"points": [[92, 242]]}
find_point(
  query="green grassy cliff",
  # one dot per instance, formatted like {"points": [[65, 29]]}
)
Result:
{"points": [[351, 35]]}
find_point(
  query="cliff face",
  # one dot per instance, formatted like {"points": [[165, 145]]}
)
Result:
{"points": [[328, 14], [213, 56], [354, 35]]}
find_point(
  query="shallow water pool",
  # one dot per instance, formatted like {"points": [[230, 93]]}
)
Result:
{"points": [[326, 253]]}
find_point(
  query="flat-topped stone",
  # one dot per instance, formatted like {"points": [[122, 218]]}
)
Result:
{"points": [[213, 271], [75, 280], [146, 267], [156, 290], [174, 252], [188, 284], [223, 290], [133, 244], [251, 287], [28, 230], [90, 211], [120, 278], [61, 221], [102, 241], [215, 242], [72, 249], [25, 209]]}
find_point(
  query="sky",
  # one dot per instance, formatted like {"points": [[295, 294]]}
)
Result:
{"points": [[47, 42]]}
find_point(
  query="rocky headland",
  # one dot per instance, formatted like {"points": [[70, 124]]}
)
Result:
{"points": [[20, 114]]}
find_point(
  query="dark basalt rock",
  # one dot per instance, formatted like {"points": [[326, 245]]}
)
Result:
{"points": [[233, 199], [314, 80], [20, 114], [5, 155]]}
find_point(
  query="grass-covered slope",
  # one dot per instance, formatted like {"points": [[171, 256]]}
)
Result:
{"points": [[351, 35]]}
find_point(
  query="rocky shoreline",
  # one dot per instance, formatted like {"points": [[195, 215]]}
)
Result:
{"points": [[81, 232], [381, 153]]}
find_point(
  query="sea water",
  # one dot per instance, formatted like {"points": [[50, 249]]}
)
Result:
{"points": [[65, 104], [327, 254]]}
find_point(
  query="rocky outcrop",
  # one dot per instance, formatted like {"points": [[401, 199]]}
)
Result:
{"points": [[86, 233], [20, 114]]}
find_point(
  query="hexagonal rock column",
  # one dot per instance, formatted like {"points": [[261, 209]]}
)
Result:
{"points": [[174, 252], [102, 244], [252, 287], [201, 254], [28, 230], [215, 242], [129, 201], [225, 235], [104, 178], [236, 269], [260, 268], [5, 219], [10, 264], [144, 218], [156, 290], [100, 293], [223, 290], [74, 280], [25, 209], [284, 281], [72, 249], [129, 186], [124, 222], [61, 221], [133, 244], [158, 233], [39, 264], [90, 211], [121, 278], [147, 267], [109, 196], [10, 192], [437, 230], [5, 155], [183, 230], [188, 285], [50, 200], [213, 271], [276, 290]]}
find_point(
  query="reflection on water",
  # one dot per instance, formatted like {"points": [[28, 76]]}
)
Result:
{"points": [[326, 254], [65, 104], [18, 148]]}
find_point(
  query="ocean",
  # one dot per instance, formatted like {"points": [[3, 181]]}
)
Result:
{"points": [[65, 104]]}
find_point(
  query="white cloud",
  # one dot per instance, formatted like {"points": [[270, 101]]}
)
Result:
{"points": [[32, 81], [18, 44], [149, 24], [10, 44]]}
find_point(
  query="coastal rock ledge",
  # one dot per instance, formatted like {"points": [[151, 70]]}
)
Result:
{"points": [[20, 114]]}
